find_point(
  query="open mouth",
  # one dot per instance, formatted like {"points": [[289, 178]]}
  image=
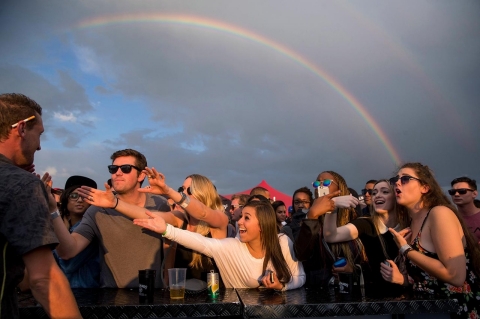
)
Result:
{"points": [[379, 202], [398, 191], [242, 230]]}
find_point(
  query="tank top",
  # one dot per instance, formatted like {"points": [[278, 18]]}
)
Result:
{"points": [[468, 295]]}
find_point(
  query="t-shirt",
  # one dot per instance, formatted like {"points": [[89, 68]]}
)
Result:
{"points": [[24, 226], [473, 224], [124, 247], [374, 282], [238, 268]]}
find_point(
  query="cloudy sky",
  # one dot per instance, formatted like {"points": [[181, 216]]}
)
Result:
{"points": [[241, 91]]}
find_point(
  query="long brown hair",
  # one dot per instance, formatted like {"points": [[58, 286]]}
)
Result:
{"points": [[267, 221], [401, 215], [436, 197], [353, 249], [204, 191]]}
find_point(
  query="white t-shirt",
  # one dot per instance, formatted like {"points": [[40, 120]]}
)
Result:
{"points": [[238, 268]]}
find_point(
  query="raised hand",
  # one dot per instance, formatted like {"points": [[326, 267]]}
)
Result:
{"points": [[154, 223], [47, 181], [156, 181], [402, 237], [98, 197], [322, 205], [347, 201]]}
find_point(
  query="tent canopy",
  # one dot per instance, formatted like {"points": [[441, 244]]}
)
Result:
{"points": [[274, 193]]}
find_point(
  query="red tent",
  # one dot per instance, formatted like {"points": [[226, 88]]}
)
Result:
{"points": [[274, 193]]}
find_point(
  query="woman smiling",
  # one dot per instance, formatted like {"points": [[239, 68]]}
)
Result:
{"points": [[247, 260]]}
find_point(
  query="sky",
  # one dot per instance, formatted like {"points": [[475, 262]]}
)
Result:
{"points": [[245, 91]]}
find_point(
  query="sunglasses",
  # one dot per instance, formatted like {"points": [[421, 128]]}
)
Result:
{"points": [[125, 168], [74, 196], [367, 191], [181, 189], [236, 206], [405, 179], [325, 182], [461, 191]]}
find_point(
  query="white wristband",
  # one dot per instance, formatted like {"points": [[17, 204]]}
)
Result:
{"points": [[404, 248]]}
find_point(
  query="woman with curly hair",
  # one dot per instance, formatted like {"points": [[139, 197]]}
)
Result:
{"points": [[442, 256]]}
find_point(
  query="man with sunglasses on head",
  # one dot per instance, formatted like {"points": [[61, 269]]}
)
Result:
{"points": [[463, 193], [26, 232], [367, 197], [124, 247]]}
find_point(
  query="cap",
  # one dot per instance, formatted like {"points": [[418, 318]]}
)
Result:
{"points": [[77, 180]]}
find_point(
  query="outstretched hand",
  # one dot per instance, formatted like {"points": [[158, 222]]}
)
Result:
{"points": [[154, 223], [156, 181], [98, 197], [402, 237], [322, 205]]}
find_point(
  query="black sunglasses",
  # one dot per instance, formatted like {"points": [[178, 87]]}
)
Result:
{"points": [[365, 191], [126, 168], [461, 191], [181, 188], [403, 179]]}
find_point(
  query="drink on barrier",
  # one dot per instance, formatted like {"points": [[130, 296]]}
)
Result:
{"points": [[212, 284], [177, 292]]}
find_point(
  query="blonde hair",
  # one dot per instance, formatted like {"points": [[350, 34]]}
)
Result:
{"points": [[204, 191]]}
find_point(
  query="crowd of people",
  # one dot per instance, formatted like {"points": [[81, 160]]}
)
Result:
{"points": [[406, 235]]}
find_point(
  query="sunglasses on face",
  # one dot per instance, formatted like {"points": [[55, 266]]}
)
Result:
{"points": [[325, 182], [405, 179], [124, 168], [235, 207], [181, 189], [74, 196], [367, 191], [460, 191]]}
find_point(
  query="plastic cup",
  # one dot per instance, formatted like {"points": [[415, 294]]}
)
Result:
{"points": [[176, 281]]}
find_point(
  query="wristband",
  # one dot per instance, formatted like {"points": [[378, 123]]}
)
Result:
{"points": [[165, 232], [54, 215], [185, 203], [404, 248], [184, 197], [115, 203]]}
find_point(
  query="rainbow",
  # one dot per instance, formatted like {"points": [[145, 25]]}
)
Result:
{"points": [[246, 34]]}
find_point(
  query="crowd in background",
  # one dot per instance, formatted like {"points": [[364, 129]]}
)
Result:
{"points": [[402, 235]]}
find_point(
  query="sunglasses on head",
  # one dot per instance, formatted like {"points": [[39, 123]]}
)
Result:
{"points": [[325, 182], [181, 189], [74, 196], [403, 179], [124, 168], [461, 191], [367, 191]]}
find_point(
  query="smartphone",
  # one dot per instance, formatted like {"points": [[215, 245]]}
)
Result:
{"points": [[322, 191], [387, 263], [271, 277], [341, 262]]}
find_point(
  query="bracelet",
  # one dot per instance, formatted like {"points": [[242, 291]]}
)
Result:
{"points": [[165, 232], [184, 197], [405, 253], [115, 204], [54, 215], [185, 202], [404, 248]]}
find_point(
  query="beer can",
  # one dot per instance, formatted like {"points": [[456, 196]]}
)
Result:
{"points": [[213, 284]]}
